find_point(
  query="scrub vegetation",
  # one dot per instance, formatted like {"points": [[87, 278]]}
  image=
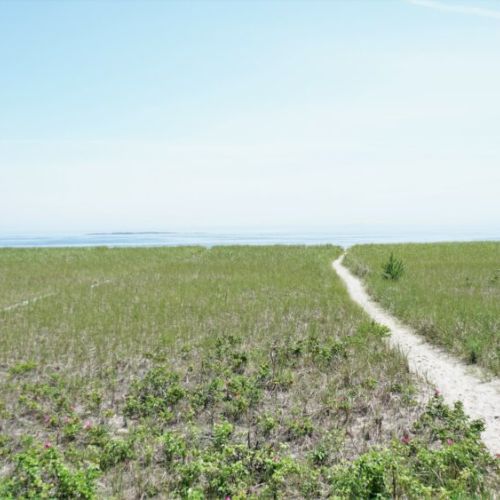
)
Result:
{"points": [[230, 372], [450, 293]]}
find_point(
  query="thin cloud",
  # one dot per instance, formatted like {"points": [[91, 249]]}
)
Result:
{"points": [[459, 9]]}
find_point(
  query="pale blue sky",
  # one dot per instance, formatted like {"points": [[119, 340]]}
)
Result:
{"points": [[163, 115]]}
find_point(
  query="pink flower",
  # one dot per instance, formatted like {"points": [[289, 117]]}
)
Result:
{"points": [[437, 392], [87, 425], [406, 438], [449, 442], [228, 497], [46, 419], [47, 445]]}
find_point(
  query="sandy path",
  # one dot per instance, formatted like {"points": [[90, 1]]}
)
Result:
{"points": [[450, 376], [27, 302]]}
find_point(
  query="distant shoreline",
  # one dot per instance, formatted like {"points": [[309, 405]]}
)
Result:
{"points": [[344, 238], [126, 233]]}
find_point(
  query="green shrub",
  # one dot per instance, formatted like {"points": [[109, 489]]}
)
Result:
{"points": [[71, 429], [299, 427], [116, 451], [445, 459], [174, 447], [156, 394], [40, 472], [241, 393], [221, 433], [267, 423], [393, 269]]}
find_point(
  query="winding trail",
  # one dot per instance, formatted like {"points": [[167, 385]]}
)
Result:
{"points": [[454, 379]]}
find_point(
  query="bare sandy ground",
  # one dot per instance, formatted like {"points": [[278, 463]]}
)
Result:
{"points": [[455, 380]]}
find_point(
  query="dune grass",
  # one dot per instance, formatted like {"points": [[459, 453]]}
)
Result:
{"points": [[449, 292], [207, 373]]}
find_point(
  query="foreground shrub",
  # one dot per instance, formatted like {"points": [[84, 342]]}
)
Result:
{"points": [[445, 459], [40, 472]]}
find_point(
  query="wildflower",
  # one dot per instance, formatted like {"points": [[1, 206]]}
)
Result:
{"points": [[437, 393], [406, 438], [87, 425], [449, 442], [47, 445], [46, 419]]}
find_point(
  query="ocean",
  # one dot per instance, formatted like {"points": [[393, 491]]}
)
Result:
{"points": [[343, 236]]}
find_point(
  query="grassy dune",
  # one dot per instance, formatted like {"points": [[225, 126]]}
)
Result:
{"points": [[195, 373], [450, 293]]}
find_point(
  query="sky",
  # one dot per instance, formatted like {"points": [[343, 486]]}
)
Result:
{"points": [[163, 115]]}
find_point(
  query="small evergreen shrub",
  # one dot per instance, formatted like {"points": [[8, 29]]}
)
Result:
{"points": [[393, 269]]}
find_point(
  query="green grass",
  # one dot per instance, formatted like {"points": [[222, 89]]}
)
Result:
{"points": [[192, 373], [449, 292]]}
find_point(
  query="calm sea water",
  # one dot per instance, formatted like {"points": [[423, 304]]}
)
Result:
{"points": [[341, 236]]}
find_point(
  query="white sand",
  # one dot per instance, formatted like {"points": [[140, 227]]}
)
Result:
{"points": [[454, 379]]}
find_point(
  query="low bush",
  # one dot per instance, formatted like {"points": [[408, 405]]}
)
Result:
{"points": [[157, 393], [393, 269], [444, 458], [41, 472]]}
